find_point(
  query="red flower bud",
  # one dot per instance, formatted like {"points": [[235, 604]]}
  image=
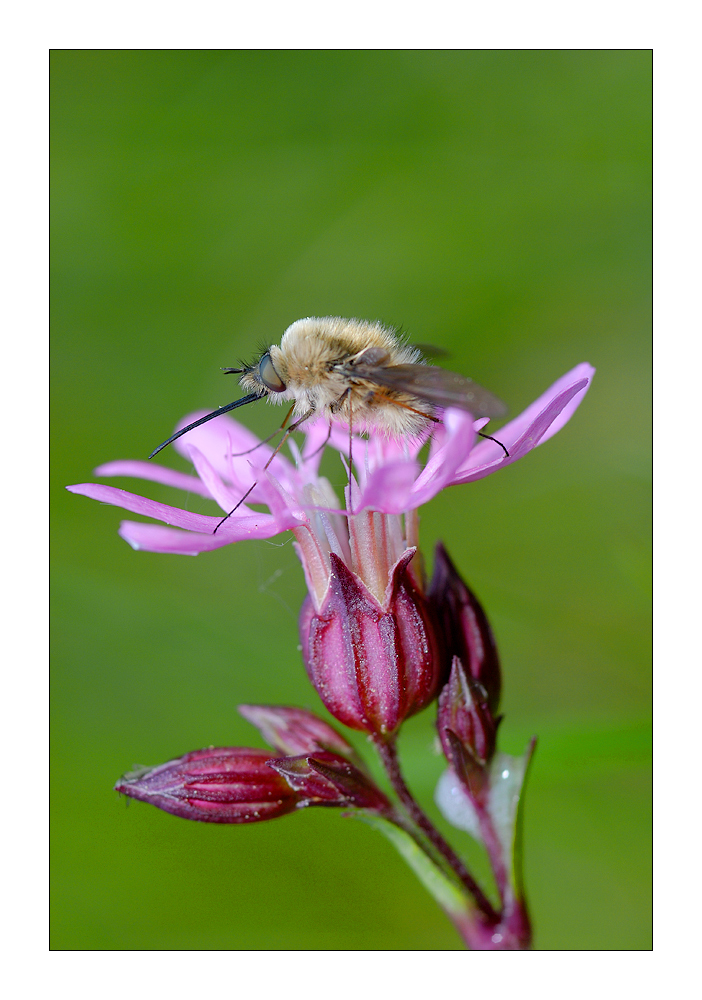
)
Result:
{"points": [[373, 664], [215, 785], [464, 711], [467, 730], [465, 628]]}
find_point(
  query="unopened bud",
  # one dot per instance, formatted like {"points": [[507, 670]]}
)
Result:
{"points": [[464, 711], [215, 785], [467, 729], [466, 630]]}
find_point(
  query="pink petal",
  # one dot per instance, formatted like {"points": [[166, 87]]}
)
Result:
{"points": [[225, 496], [540, 421], [582, 371], [316, 437], [142, 505], [248, 525], [294, 731], [222, 440], [389, 489], [282, 505], [396, 487], [155, 538], [459, 437], [155, 474]]}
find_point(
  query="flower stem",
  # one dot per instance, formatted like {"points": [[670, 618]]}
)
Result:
{"points": [[497, 861], [387, 750]]}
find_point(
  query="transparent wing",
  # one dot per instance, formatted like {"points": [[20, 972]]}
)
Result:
{"points": [[431, 350], [433, 385]]}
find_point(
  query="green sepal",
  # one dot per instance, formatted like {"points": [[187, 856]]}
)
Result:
{"points": [[503, 804], [447, 892], [516, 854]]}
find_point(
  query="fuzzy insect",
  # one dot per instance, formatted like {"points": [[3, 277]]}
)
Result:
{"points": [[353, 371]]}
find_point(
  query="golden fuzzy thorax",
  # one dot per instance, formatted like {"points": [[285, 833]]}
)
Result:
{"points": [[309, 360]]}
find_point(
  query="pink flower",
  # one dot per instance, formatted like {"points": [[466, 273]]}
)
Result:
{"points": [[369, 635], [390, 477]]}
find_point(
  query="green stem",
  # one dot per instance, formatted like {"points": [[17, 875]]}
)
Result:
{"points": [[387, 750]]}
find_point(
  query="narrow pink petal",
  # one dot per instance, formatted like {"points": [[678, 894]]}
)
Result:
{"points": [[388, 489], [141, 505], [389, 449], [536, 424], [339, 439], [581, 376], [282, 505], [248, 525], [225, 496], [458, 440], [155, 474], [394, 486], [155, 538], [540, 428], [582, 371]]}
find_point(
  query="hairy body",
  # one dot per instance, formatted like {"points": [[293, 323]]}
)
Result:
{"points": [[322, 363], [355, 371]]}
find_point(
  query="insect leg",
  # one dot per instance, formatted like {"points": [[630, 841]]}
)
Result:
{"points": [[324, 443], [238, 454], [293, 427], [335, 407], [338, 403], [396, 402], [350, 451], [489, 438]]}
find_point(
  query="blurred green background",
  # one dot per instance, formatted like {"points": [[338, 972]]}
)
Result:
{"points": [[494, 203]]}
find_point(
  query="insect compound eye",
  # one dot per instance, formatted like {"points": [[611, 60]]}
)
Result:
{"points": [[269, 376]]}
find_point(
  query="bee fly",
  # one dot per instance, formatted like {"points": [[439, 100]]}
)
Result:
{"points": [[355, 372]]}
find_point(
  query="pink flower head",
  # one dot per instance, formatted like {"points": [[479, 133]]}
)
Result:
{"points": [[369, 638], [390, 478]]}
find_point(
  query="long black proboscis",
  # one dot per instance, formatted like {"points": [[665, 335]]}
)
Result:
{"points": [[251, 398]]}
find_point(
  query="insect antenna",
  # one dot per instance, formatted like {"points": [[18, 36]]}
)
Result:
{"points": [[293, 427], [251, 398]]}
